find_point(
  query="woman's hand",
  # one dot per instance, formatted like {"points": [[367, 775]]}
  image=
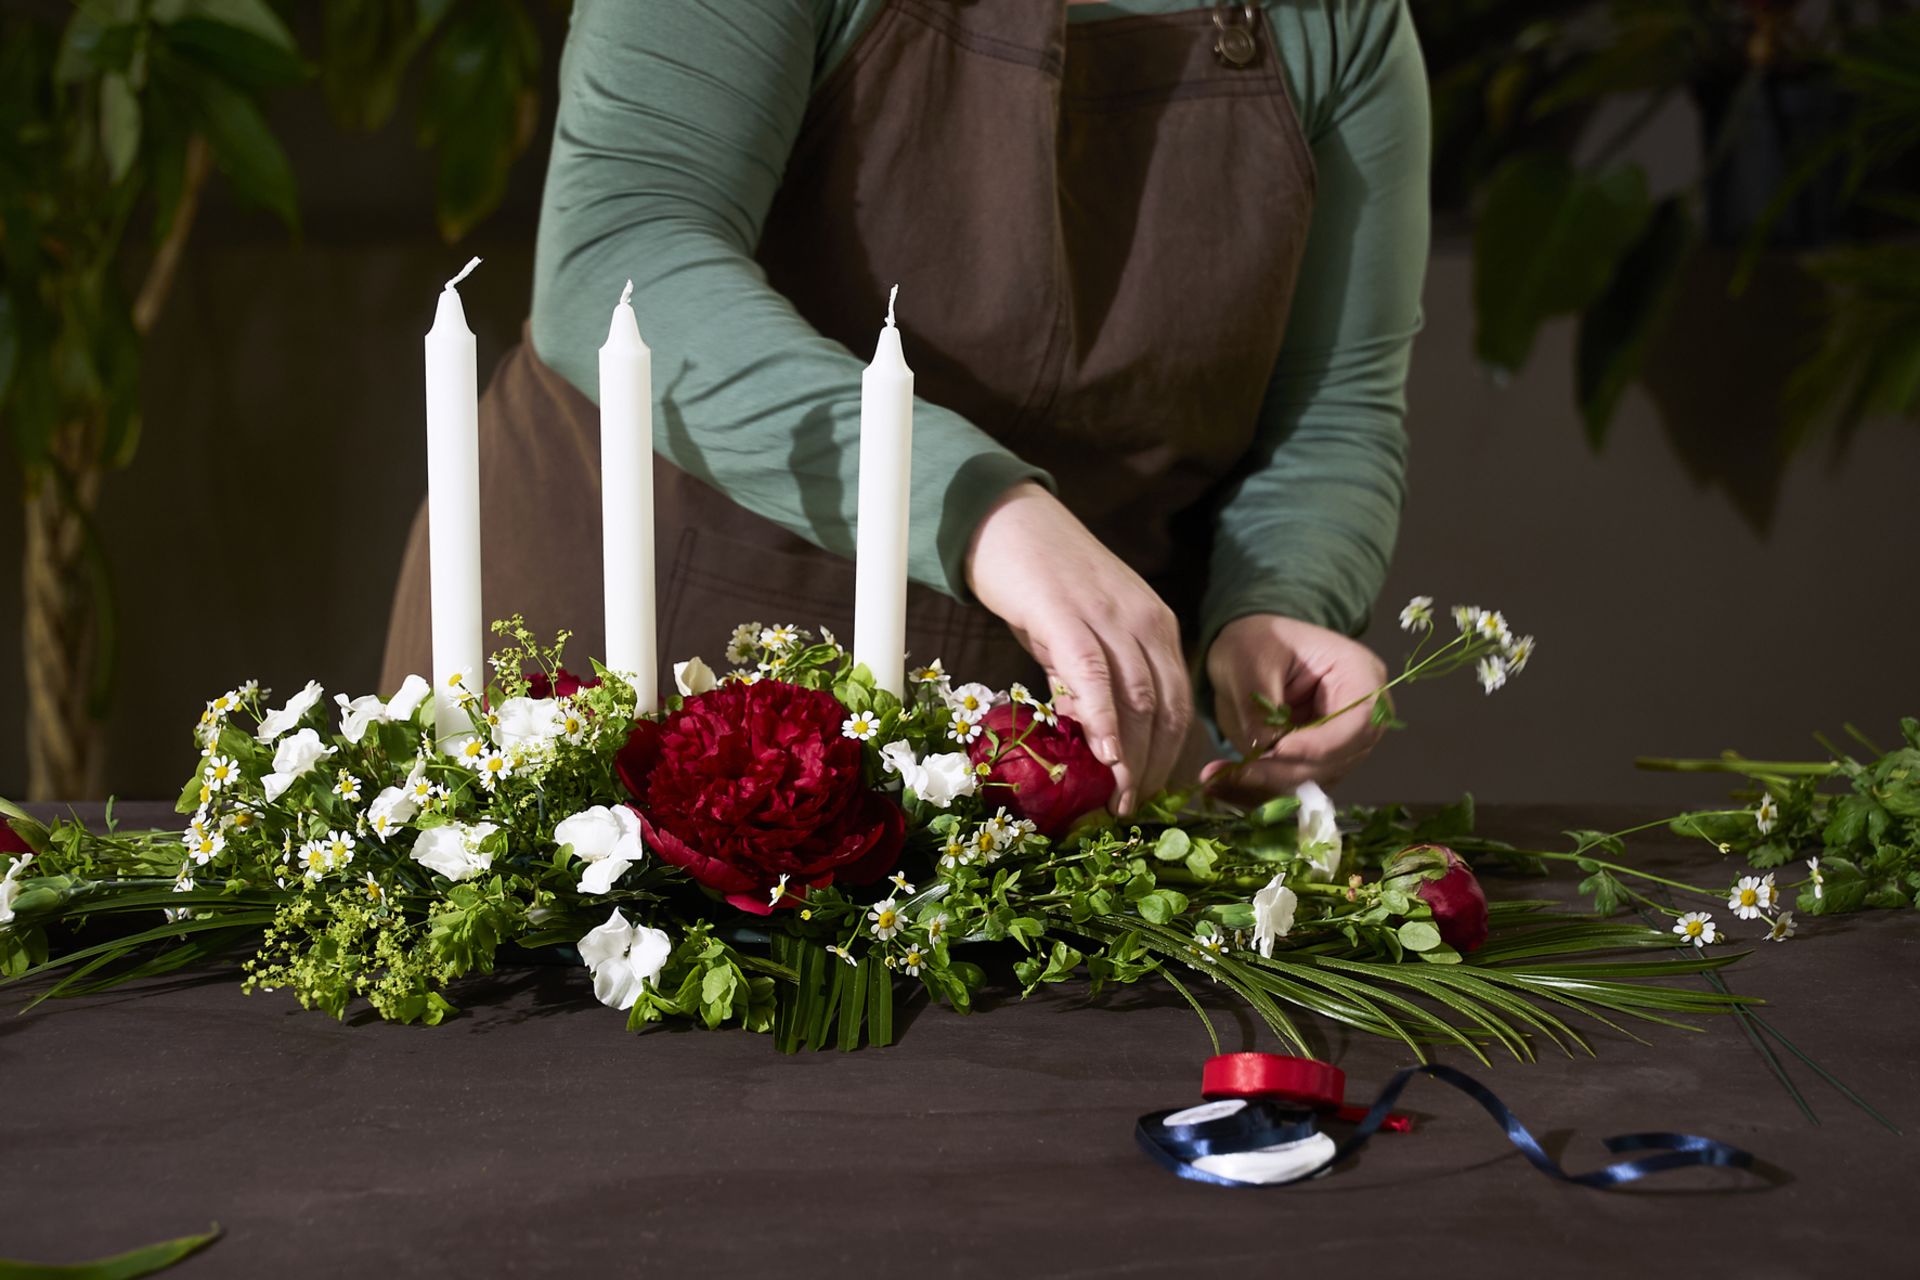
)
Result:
{"points": [[1097, 628], [1307, 669]]}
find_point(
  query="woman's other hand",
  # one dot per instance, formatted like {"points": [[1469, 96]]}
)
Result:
{"points": [[1097, 628], [1312, 672]]}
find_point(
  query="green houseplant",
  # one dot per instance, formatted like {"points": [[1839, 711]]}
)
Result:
{"points": [[1807, 123], [114, 117]]}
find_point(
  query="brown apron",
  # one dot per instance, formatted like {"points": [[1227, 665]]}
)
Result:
{"points": [[1112, 218]]}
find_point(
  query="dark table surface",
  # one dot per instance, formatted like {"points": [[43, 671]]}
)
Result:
{"points": [[533, 1135]]}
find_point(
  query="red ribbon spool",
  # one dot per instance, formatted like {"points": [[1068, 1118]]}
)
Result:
{"points": [[1306, 1082]]}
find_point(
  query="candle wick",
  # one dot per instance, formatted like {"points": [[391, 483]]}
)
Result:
{"points": [[626, 294], [464, 272], [891, 295]]}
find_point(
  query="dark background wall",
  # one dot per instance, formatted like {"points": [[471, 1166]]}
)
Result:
{"points": [[258, 532]]}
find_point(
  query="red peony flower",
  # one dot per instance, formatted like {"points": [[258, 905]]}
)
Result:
{"points": [[564, 684], [749, 782], [1051, 776], [1459, 904]]}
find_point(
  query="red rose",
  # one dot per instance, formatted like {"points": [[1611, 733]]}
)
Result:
{"points": [[749, 782], [1459, 904], [1050, 776], [564, 684]]}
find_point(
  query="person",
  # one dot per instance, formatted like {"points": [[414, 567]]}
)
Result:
{"points": [[1160, 270]]}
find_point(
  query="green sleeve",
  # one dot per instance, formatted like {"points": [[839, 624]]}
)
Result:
{"points": [[1307, 530], [675, 122]]}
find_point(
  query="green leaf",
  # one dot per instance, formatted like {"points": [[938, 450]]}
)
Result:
{"points": [[1275, 811], [254, 17], [250, 61], [1161, 905], [1616, 330], [1419, 935], [143, 1261], [1547, 242], [243, 146], [1173, 845], [119, 125]]}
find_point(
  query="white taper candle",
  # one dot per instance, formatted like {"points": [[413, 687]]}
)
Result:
{"points": [[886, 482], [453, 509], [626, 503]]}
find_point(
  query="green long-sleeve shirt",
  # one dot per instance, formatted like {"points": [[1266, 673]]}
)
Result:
{"points": [[675, 121]]}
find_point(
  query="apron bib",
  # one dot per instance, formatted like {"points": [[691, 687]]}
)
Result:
{"points": [[1104, 222]]}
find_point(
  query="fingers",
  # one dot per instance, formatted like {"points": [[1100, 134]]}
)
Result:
{"points": [[1080, 662], [1173, 707]]}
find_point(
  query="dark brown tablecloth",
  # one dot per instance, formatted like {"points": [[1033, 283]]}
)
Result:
{"points": [[535, 1136]]}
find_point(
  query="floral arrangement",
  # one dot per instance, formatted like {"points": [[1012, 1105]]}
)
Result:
{"points": [[789, 849]]}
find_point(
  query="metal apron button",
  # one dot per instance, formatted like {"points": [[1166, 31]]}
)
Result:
{"points": [[1235, 44]]}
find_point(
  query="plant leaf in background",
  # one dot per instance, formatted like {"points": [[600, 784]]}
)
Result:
{"points": [[1615, 330], [1547, 241], [480, 107]]}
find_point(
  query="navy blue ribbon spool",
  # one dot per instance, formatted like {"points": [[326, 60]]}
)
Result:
{"points": [[1263, 1124]]}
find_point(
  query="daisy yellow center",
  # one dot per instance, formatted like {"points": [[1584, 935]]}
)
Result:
{"points": [[373, 890], [220, 772], [206, 845], [1748, 897], [573, 724], [243, 820], [317, 858], [913, 956], [1693, 928], [338, 849], [496, 764], [474, 748], [970, 702], [885, 920]]}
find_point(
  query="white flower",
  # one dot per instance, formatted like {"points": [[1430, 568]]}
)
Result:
{"points": [[1819, 879], [390, 808], [693, 677], [494, 768], [963, 730], [886, 919], [204, 846], [1492, 673], [278, 722], [358, 714], [182, 883], [1492, 625], [778, 891], [526, 722], [10, 886], [1001, 827], [623, 959], [453, 849], [418, 787], [221, 706], [313, 860], [900, 882], [1418, 615], [1466, 617], [347, 788], [219, 772], [971, 702], [784, 636], [1782, 927], [1749, 897], [1319, 831], [740, 645], [606, 839], [843, 953], [1767, 814], [1696, 927], [293, 757], [859, 726], [932, 673], [1517, 654], [338, 846], [939, 779], [1273, 909], [373, 888], [1212, 945], [912, 961]]}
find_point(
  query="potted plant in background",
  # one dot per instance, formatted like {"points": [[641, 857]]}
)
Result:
{"points": [[1808, 133], [114, 116]]}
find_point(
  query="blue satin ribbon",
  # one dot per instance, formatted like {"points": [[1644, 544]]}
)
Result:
{"points": [[1264, 1124]]}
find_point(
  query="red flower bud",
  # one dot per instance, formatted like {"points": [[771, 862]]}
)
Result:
{"points": [[1458, 903], [563, 684], [1044, 773]]}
